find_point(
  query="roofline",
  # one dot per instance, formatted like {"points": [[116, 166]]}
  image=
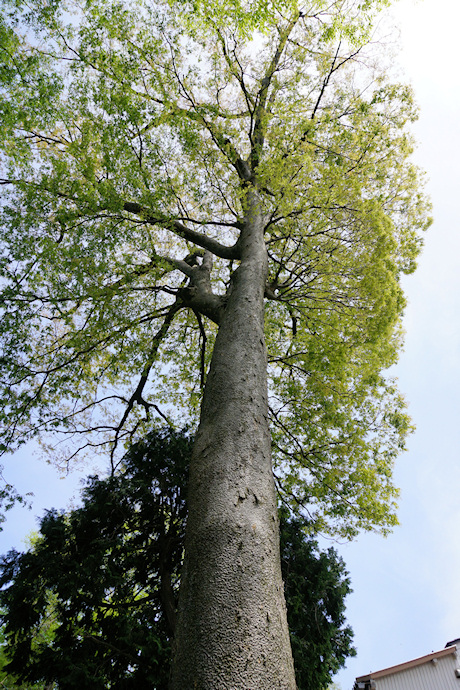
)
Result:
{"points": [[408, 664]]}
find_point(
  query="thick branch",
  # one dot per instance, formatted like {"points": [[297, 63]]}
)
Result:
{"points": [[198, 295], [208, 243], [183, 231]]}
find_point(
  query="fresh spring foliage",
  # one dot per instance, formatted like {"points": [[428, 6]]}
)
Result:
{"points": [[92, 603], [130, 133]]}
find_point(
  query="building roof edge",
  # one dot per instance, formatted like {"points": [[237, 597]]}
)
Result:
{"points": [[408, 664]]}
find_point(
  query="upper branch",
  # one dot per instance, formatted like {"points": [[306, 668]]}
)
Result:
{"points": [[325, 83], [237, 73], [259, 126], [137, 395], [336, 64]]}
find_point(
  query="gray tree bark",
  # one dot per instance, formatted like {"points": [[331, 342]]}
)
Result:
{"points": [[231, 630]]}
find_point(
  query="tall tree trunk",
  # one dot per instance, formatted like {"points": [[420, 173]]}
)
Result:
{"points": [[232, 631]]}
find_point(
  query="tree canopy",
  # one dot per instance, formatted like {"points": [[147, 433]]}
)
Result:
{"points": [[131, 132], [92, 603]]}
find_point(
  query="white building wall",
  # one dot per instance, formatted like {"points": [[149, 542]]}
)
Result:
{"points": [[427, 676]]}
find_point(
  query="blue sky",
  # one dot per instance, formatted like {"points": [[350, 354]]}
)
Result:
{"points": [[405, 601]]}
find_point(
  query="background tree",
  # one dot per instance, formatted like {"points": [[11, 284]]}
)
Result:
{"points": [[93, 602], [316, 585], [106, 575], [221, 194]]}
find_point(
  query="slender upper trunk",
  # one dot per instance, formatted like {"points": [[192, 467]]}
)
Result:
{"points": [[231, 631]]}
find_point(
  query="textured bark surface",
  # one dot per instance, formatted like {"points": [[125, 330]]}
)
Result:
{"points": [[232, 631]]}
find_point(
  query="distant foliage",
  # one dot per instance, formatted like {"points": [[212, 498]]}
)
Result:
{"points": [[92, 603]]}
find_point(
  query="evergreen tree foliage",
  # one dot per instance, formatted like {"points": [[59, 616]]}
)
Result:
{"points": [[92, 603], [316, 585]]}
